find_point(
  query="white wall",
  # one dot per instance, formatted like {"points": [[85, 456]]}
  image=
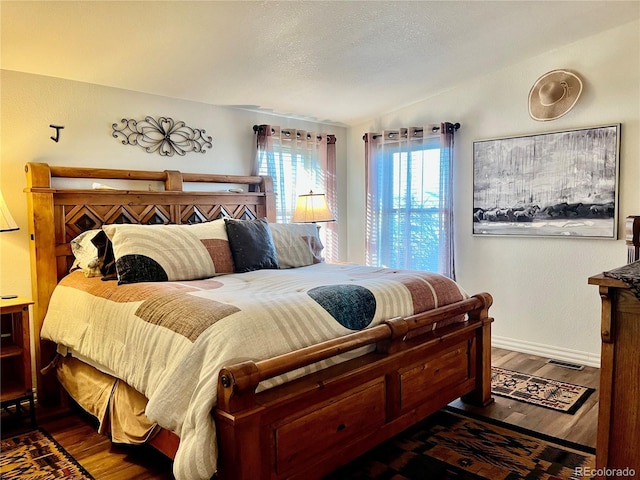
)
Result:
{"points": [[30, 103], [542, 303]]}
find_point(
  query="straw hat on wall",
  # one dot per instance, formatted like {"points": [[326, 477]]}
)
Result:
{"points": [[554, 94]]}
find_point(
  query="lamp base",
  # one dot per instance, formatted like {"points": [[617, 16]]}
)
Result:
{"points": [[8, 297]]}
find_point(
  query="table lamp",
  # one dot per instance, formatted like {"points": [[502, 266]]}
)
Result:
{"points": [[312, 208], [7, 224]]}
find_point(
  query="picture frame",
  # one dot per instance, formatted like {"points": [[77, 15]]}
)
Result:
{"points": [[553, 184]]}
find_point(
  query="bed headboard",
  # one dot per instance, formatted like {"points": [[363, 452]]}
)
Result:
{"points": [[57, 215]]}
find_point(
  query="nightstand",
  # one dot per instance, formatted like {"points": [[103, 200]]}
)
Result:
{"points": [[15, 355]]}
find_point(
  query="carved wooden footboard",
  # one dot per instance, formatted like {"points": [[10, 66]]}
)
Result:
{"points": [[308, 427], [303, 428]]}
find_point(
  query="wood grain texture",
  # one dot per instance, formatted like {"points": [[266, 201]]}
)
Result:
{"points": [[16, 349], [57, 215], [580, 427], [416, 379], [77, 432], [619, 417]]}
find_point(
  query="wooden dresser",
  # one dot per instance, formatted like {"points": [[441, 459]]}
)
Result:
{"points": [[618, 442]]}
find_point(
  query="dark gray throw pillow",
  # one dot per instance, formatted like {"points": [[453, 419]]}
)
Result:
{"points": [[251, 244], [106, 256]]}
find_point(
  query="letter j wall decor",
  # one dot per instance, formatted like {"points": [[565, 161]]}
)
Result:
{"points": [[561, 184]]}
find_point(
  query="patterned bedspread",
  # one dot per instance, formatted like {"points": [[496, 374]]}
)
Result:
{"points": [[169, 340]]}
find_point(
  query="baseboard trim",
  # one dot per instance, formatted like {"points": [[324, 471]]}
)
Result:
{"points": [[547, 351]]}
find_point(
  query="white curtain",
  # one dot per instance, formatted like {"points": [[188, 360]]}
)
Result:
{"points": [[299, 161], [409, 198]]}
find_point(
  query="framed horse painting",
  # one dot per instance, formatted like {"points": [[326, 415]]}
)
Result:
{"points": [[562, 183]]}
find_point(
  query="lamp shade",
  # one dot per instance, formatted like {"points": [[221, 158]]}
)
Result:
{"points": [[311, 208], [7, 223]]}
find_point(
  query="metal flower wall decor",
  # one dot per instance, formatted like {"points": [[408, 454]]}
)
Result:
{"points": [[162, 135]]}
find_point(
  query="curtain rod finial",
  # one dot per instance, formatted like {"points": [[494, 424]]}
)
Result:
{"points": [[452, 127]]}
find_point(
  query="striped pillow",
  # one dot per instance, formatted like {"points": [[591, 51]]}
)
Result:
{"points": [[157, 253], [297, 244]]}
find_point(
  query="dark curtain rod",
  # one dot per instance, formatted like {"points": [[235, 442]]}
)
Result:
{"points": [[256, 129], [452, 127]]}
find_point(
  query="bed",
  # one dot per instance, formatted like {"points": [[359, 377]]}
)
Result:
{"points": [[298, 404]]}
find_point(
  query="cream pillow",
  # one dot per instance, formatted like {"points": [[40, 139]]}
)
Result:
{"points": [[156, 253], [297, 244]]}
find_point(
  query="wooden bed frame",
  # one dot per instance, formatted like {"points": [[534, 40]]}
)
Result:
{"points": [[302, 429]]}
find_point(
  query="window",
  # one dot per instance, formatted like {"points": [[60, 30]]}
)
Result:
{"points": [[409, 224], [299, 161], [409, 210], [293, 173]]}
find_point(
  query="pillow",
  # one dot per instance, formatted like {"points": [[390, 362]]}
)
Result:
{"points": [[297, 244], [156, 253], [106, 258], [86, 254], [251, 244]]}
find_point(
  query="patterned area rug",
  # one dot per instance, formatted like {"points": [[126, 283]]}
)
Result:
{"points": [[448, 446], [37, 456], [554, 394]]}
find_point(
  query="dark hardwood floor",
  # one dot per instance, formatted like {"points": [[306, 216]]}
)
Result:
{"points": [[76, 432], [579, 428]]}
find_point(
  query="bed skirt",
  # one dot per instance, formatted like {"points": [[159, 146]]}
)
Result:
{"points": [[118, 407]]}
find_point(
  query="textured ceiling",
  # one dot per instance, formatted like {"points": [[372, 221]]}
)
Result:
{"points": [[343, 62]]}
